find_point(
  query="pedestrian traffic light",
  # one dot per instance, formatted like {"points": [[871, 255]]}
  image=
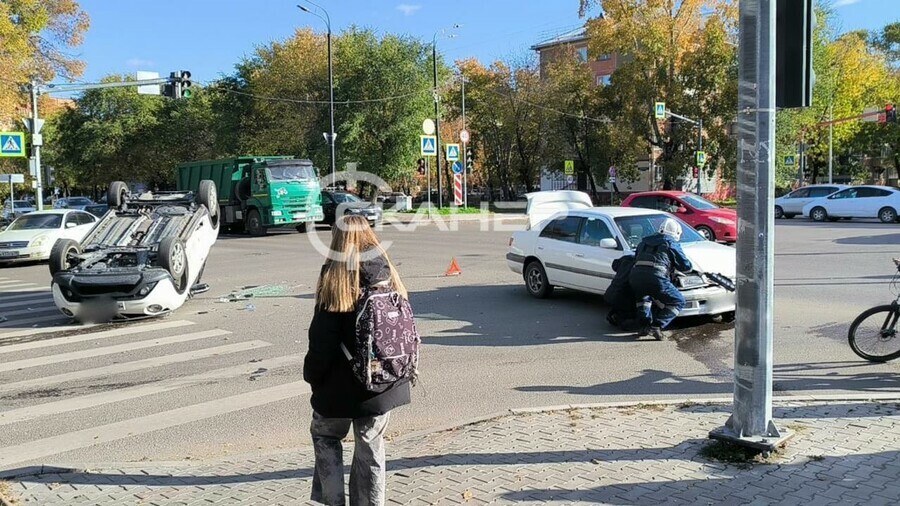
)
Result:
{"points": [[794, 75], [696, 173], [421, 166], [470, 162], [185, 84], [890, 113]]}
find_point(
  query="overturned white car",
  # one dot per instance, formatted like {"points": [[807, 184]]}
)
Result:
{"points": [[144, 258]]}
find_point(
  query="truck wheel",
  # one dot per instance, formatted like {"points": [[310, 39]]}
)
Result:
{"points": [[305, 227], [209, 197], [254, 224], [59, 255], [115, 196], [173, 258]]}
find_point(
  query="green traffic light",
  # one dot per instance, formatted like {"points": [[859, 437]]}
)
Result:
{"points": [[186, 93]]}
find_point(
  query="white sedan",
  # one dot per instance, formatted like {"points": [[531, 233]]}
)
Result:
{"points": [[882, 202], [30, 237], [574, 248]]}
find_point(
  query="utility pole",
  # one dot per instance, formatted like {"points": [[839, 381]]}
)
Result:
{"points": [[36, 142], [465, 150], [751, 421], [437, 121], [830, 142]]}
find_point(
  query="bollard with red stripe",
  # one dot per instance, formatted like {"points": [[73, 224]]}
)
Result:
{"points": [[457, 189]]}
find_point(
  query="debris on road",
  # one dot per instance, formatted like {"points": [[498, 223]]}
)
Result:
{"points": [[257, 373]]}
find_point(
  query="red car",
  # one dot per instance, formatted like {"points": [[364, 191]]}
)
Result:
{"points": [[713, 222]]}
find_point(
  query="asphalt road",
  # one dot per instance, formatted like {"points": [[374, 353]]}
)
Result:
{"points": [[223, 376]]}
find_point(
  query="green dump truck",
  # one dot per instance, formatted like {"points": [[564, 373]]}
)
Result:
{"points": [[257, 193]]}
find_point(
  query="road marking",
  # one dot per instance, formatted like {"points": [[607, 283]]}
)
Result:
{"points": [[14, 323], [10, 282], [93, 400], [109, 350], [136, 365], [45, 330], [16, 287], [42, 308], [124, 330], [40, 300], [12, 455]]}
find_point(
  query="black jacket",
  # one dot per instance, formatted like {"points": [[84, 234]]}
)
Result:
{"points": [[336, 392], [662, 255]]}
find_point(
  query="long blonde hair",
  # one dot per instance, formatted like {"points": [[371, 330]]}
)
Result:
{"points": [[352, 242]]}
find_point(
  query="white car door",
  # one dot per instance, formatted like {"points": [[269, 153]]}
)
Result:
{"points": [[871, 201], [556, 247], [793, 202], [594, 256], [842, 203]]}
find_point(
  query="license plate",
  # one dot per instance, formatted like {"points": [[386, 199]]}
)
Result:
{"points": [[299, 216], [9, 253], [121, 306], [371, 217]]}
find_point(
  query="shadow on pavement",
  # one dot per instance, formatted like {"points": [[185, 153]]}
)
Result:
{"points": [[887, 239]]}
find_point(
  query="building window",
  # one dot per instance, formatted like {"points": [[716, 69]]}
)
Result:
{"points": [[604, 57], [603, 80], [582, 54]]}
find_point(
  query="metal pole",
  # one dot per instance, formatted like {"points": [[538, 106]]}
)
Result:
{"points": [[331, 99], [428, 171], [752, 411], [700, 144], [36, 149], [464, 148], [830, 143], [437, 121]]}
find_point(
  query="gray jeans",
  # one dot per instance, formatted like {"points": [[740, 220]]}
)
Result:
{"points": [[367, 473]]}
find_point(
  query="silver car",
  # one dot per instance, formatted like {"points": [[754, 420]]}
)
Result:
{"points": [[791, 204]]}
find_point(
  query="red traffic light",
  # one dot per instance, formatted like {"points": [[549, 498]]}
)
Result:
{"points": [[696, 173]]}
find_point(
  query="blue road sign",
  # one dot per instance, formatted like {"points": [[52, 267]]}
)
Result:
{"points": [[457, 168], [452, 152], [428, 145], [789, 161], [660, 110], [12, 144]]}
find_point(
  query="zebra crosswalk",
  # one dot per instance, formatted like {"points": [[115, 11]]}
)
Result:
{"points": [[59, 382]]}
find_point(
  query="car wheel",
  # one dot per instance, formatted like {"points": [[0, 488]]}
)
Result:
{"points": [[887, 215], [254, 224], [61, 253], [779, 212], [115, 196], [173, 258], [209, 197], [536, 280], [727, 317], [706, 232], [818, 214]]}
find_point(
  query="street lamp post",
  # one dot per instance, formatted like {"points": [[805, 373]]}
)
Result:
{"points": [[437, 113], [330, 138]]}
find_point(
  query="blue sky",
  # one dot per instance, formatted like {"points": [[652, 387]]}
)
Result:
{"points": [[208, 37]]}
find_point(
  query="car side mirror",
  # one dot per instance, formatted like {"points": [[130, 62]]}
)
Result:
{"points": [[609, 243]]}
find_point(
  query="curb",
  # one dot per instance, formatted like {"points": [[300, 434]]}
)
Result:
{"points": [[88, 467]]}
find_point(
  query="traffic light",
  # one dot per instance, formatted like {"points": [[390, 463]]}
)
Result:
{"points": [[696, 173], [890, 113], [470, 162], [421, 166], [794, 75], [172, 90], [185, 84]]}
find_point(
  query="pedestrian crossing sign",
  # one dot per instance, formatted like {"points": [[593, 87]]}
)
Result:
{"points": [[12, 144], [428, 145], [660, 110], [790, 161], [701, 158], [452, 152]]}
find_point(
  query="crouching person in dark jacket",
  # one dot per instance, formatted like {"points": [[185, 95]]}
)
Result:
{"points": [[339, 399], [657, 258], [620, 296]]}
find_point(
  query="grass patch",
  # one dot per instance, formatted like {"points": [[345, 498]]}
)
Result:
{"points": [[729, 453], [445, 211], [6, 497]]}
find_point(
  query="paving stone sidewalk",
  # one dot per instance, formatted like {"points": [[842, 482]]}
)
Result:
{"points": [[842, 453]]}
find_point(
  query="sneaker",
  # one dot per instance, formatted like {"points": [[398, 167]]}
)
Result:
{"points": [[657, 333]]}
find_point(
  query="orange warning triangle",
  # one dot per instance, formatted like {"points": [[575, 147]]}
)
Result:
{"points": [[454, 269]]}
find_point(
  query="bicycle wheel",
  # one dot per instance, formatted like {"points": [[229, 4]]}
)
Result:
{"points": [[873, 334]]}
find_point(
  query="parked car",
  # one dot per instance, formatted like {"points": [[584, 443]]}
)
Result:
{"points": [[882, 202], [335, 203], [73, 203], [790, 205], [143, 258], [713, 222], [574, 248], [97, 209], [31, 237], [12, 210]]}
